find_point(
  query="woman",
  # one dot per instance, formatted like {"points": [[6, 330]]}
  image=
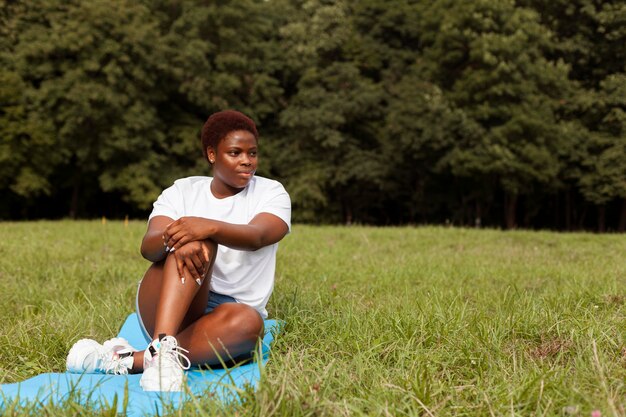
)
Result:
{"points": [[213, 245]]}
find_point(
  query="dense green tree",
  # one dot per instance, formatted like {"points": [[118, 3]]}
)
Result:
{"points": [[489, 58], [603, 174], [372, 111], [27, 156], [226, 55], [222, 55], [590, 36], [88, 73], [421, 129], [330, 119], [427, 143]]}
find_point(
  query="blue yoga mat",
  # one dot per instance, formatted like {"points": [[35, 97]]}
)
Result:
{"points": [[124, 392]]}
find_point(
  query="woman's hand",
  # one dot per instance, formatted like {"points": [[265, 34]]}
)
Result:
{"points": [[193, 259], [185, 230]]}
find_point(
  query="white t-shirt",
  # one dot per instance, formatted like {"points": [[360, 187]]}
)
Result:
{"points": [[247, 276]]}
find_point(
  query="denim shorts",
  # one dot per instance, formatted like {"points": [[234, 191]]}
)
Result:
{"points": [[215, 299]]}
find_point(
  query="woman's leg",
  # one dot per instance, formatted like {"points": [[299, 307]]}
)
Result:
{"points": [[169, 307], [166, 305], [230, 331]]}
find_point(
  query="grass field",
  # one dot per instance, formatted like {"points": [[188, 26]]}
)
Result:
{"points": [[380, 321]]}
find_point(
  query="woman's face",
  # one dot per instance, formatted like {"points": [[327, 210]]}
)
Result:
{"points": [[234, 163]]}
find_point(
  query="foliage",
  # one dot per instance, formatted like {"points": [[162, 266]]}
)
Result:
{"points": [[497, 113]]}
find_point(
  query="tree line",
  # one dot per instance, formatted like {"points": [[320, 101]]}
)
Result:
{"points": [[495, 113]]}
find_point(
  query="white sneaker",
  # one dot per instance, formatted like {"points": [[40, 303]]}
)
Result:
{"points": [[115, 356], [164, 365]]}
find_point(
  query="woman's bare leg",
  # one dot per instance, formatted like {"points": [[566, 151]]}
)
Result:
{"points": [[229, 331], [166, 305]]}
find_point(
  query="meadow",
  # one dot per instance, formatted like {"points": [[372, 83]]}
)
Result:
{"points": [[406, 321]]}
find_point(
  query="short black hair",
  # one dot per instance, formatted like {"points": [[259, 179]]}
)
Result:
{"points": [[220, 124]]}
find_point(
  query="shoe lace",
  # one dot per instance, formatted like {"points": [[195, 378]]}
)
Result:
{"points": [[112, 363], [172, 352]]}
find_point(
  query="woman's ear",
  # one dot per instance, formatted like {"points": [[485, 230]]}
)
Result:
{"points": [[210, 154]]}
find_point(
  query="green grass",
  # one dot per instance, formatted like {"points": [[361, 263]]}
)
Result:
{"points": [[379, 321]]}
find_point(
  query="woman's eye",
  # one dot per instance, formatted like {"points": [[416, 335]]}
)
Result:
{"points": [[253, 154]]}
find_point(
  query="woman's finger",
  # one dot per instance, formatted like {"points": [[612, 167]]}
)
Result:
{"points": [[176, 238], [191, 268], [186, 272], [205, 252], [175, 228], [198, 280], [180, 266], [172, 226], [197, 262], [182, 240], [172, 242]]}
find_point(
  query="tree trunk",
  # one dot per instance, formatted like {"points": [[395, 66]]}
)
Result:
{"points": [[622, 218], [602, 218], [75, 194], [348, 214], [510, 206], [583, 214], [557, 212], [527, 213], [568, 209], [478, 219]]}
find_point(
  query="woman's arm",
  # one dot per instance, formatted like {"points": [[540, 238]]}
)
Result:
{"points": [[264, 229], [192, 261], [152, 246]]}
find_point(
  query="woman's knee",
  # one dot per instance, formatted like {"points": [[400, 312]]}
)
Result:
{"points": [[212, 246], [240, 319]]}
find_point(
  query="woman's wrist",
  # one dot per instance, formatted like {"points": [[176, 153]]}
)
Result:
{"points": [[209, 229]]}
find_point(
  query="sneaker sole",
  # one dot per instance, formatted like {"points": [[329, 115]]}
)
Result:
{"points": [[150, 382], [76, 357]]}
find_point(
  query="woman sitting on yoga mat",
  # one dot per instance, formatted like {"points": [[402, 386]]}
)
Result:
{"points": [[213, 245]]}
